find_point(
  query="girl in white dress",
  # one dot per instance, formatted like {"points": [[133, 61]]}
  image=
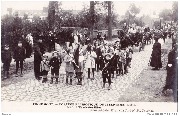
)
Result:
{"points": [[90, 61]]}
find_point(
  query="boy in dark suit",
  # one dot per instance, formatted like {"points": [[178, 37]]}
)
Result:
{"points": [[55, 63], [19, 56], [6, 58]]}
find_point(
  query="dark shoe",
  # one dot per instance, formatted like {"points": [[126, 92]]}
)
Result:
{"points": [[40, 77], [108, 88], [66, 80], [21, 75], [155, 69], [70, 81], [18, 75], [44, 80]]}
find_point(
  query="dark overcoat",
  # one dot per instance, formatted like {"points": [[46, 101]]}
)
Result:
{"points": [[156, 56]]}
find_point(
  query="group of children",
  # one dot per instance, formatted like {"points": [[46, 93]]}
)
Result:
{"points": [[79, 60]]}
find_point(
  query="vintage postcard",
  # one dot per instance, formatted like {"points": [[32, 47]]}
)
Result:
{"points": [[97, 56]]}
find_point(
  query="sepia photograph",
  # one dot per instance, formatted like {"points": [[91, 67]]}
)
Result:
{"points": [[105, 56]]}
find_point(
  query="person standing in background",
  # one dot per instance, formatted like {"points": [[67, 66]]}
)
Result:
{"points": [[156, 55], [38, 53]]}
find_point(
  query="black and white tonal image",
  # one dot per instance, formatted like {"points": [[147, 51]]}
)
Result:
{"points": [[89, 51]]}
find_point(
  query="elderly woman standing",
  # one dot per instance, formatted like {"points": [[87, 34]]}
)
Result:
{"points": [[156, 55], [90, 61]]}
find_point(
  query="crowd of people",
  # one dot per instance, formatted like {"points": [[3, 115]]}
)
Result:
{"points": [[110, 59]]}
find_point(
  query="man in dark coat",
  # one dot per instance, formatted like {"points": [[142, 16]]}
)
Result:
{"points": [[156, 55], [19, 56], [124, 42], [172, 72], [38, 53]]}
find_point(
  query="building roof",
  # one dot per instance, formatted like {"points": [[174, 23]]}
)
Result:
{"points": [[31, 12]]}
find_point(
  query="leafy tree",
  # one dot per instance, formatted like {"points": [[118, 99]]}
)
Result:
{"points": [[166, 14], [175, 11], [51, 13], [133, 10], [25, 17], [131, 13]]}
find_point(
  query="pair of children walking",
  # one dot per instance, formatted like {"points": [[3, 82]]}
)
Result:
{"points": [[53, 65], [74, 65]]}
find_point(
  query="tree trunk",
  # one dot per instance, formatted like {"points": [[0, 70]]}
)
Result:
{"points": [[110, 21], [51, 14], [92, 13]]}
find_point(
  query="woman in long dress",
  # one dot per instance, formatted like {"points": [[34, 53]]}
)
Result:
{"points": [[156, 55]]}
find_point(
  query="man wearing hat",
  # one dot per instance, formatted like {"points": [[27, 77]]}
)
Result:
{"points": [[6, 58]]}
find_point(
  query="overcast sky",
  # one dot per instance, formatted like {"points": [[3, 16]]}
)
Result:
{"points": [[147, 7]]}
